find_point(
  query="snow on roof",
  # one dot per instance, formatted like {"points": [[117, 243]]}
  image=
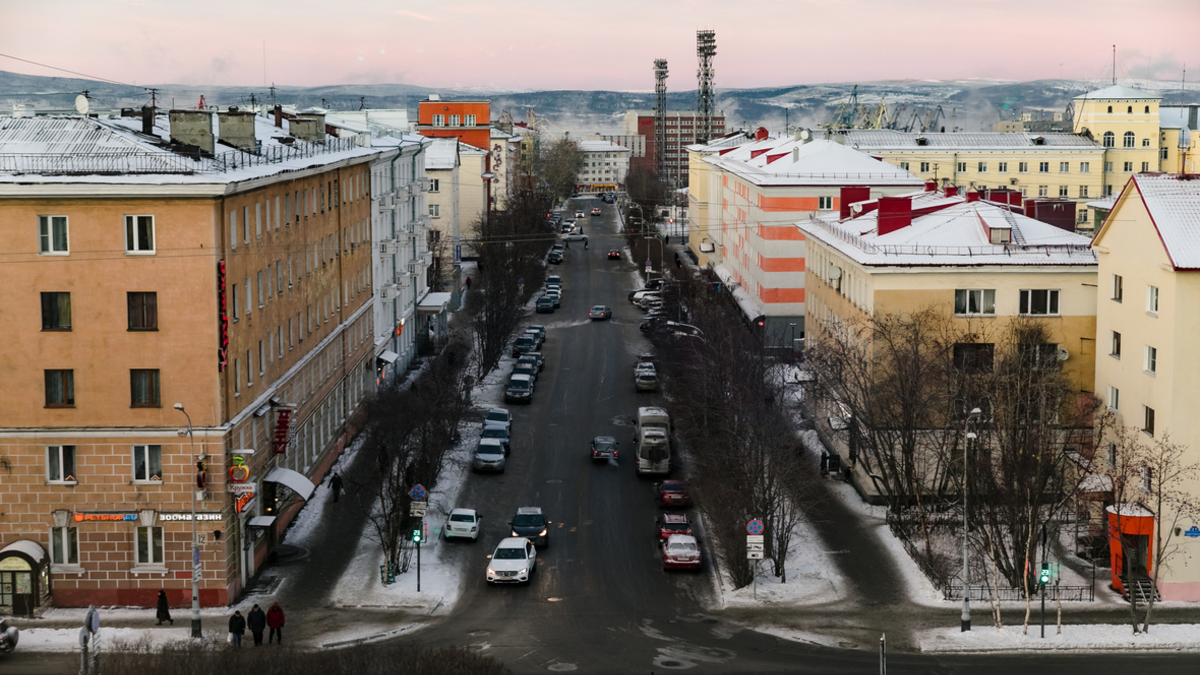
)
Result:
{"points": [[601, 146], [793, 162], [1105, 204], [954, 236], [468, 149], [1173, 202], [729, 140], [442, 153], [1118, 91], [869, 140]]}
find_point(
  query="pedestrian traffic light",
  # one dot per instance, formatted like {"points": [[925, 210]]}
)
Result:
{"points": [[416, 536], [1044, 577]]}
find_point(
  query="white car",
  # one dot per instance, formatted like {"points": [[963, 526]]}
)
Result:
{"points": [[513, 562], [498, 416], [462, 523], [580, 214]]}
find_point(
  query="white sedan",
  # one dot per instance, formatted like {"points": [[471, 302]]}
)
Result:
{"points": [[513, 562], [462, 523]]}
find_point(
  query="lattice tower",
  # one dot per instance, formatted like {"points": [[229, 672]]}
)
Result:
{"points": [[706, 49], [660, 119]]}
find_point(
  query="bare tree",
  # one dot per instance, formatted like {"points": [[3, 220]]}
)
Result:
{"points": [[561, 162]]}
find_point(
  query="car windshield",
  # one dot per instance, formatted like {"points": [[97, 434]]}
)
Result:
{"points": [[682, 547], [509, 554], [524, 341], [462, 518], [672, 487], [518, 385], [497, 416], [495, 433], [545, 301], [489, 450], [529, 520], [681, 527]]}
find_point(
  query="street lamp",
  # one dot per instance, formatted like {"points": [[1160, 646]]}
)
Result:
{"points": [[968, 436], [195, 549]]}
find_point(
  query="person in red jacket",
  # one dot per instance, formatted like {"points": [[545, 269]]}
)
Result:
{"points": [[275, 623]]}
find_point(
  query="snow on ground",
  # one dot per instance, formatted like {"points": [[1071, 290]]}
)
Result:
{"points": [[1172, 637], [300, 531], [812, 578], [67, 639]]}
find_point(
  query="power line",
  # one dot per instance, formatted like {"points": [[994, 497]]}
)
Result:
{"points": [[46, 65]]}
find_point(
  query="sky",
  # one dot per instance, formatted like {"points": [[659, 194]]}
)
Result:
{"points": [[568, 44]]}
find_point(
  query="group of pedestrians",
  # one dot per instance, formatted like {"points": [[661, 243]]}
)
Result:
{"points": [[257, 621]]}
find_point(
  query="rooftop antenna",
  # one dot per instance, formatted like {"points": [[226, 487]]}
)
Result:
{"points": [[1114, 65], [272, 94], [362, 102]]}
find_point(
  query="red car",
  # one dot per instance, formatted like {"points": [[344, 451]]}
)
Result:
{"points": [[614, 255], [672, 523], [672, 493], [680, 552]]}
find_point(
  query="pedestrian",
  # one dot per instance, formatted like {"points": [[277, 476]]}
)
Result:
{"points": [[566, 243], [237, 627], [164, 609], [275, 623], [468, 283], [336, 484], [585, 243], [257, 621]]}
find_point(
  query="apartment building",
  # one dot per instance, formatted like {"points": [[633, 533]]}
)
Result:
{"points": [[468, 121], [1146, 364], [190, 308], [680, 129], [605, 167], [701, 218]]}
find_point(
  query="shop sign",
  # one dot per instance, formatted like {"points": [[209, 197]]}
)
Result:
{"points": [[239, 472], [106, 516], [243, 502], [283, 424], [188, 516], [223, 317], [1193, 531], [240, 488], [15, 564]]}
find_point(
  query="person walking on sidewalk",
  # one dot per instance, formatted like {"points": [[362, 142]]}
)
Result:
{"points": [[468, 283], [275, 623], [237, 627], [336, 484], [257, 621], [164, 609]]}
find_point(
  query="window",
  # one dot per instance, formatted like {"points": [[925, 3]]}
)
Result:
{"points": [[904, 165], [1002, 167], [1152, 300], [1114, 398], [1150, 360], [1148, 420], [1108, 190], [234, 298], [233, 229], [1043, 190], [982, 167], [975, 301], [147, 463], [258, 220], [1115, 350], [924, 167], [439, 120], [824, 203], [433, 184], [262, 360], [1062, 191], [1039, 302], [1043, 167], [1164, 153], [1128, 140], [962, 167], [144, 388], [1083, 193], [149, 546], [64, 546], [434, 210], [60, 388], [260, 288], [971, 357], [1110, 139], [56, 311], [60, 464], [454, 120], [139, 234], [1038, 356], [1147, 479], [249, 368], [1064, 167], [1145, 167], [1128, 167], [279, 339], [1108, 167], [470, 120], [1081, 215], [278, 277], [1085, 167], [143, 310], [52, 235], [1022, 167], [1110, 109]]}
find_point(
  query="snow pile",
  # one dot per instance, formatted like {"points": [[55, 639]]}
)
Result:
{"points": [[1176, 637], [67, 639], [812, 578]]}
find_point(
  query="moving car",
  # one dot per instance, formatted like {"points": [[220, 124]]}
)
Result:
{"points": [[680, 552], [531, 524], [494, 430], [672, 523], [672, 493], [614, 255], [645, 380], [600, 312], [519, 389], [9, 636], [580, 214], [513, 562], [489, 456], [596, 211], [498, 416], [545, 305], [604, 447], [462, 523], [575, 236]]}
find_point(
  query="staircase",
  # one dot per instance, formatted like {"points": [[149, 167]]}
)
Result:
{"points": [[1141, 589]]}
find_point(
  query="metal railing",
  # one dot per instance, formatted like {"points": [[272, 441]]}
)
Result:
{"points": [[1082, 250]]}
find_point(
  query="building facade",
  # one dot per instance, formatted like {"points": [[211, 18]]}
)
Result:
{"points": [[680, 128], [701, 218], [468, 121], [605, 167]]}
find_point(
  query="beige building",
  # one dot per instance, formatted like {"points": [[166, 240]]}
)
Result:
{"points": [[605, 167], [443, 168], [234, 281], [1146, 364], [701, 220]]}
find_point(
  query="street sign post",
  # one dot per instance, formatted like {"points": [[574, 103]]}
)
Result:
{"points": [[755, 526], [418, 493], [418, 509], [754, 555]]}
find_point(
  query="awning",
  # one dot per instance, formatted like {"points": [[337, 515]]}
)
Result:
{"points": [[389, 356], [30, 548], [294, 480], [740, 296], [261, 521], [434, 303]]}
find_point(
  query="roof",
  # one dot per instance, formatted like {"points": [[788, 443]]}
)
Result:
{"points": [[1173, 201], [869, 140], [1105, 204], [601, 146], [794, 162], [1118, 91], [1174, 117], [442, 153], [729, 140], [529, 510], [955, 235]]}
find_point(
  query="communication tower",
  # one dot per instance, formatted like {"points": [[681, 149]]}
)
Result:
{"points": [[660, 119], [706, 49]]}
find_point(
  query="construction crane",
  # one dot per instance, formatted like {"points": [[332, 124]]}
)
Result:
{"points": [[843, 117], [537, 123]]}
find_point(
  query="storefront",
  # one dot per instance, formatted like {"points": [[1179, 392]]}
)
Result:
{"points": [[1130, 529], [24, 578]]}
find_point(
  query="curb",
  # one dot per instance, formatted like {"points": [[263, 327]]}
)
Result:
{"points": [[369, 638]]}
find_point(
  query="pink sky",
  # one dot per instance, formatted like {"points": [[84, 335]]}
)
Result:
{"points": [[567, 44]]}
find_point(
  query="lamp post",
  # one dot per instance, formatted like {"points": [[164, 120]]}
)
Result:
{"points": [[968, 436], [195, 549]]}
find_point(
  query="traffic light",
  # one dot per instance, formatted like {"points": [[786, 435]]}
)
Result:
{"points": [[416, 536], [1044, 577]]}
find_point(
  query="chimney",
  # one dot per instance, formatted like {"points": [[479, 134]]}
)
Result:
{"points": [[308, 127], [972, 196], [761, 134], [930, 185], [147, 120], [193, 128], [434, 97], [278, 116], [852, 194], [237, 129], [795, 155], [895, 213], [950, 191]]}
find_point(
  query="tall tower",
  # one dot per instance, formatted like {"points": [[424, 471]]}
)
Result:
{"points": [[660, 119], [706, 49]]}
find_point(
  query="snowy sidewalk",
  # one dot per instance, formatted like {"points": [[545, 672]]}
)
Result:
{"points": [[1167, 637]]}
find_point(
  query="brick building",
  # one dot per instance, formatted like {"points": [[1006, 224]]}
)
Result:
{"points": [[681, 128]]}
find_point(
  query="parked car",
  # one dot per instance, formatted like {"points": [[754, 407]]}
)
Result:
{"points": [[600, 313], [640, 296], [596, 211], [672, 493], [513, 562], [555, 295], [489, 456], [462, 524], [498, 416], [526, 369], [535, 358], [614, 255], [525, 343], [680, 552], [555, 258], [529, 522], [9, 636], [672, 523], [645, 380], [541, 333], [545, 305], [539, 336], [519, 389], [554, 278], [498, 432], [604, 447]]}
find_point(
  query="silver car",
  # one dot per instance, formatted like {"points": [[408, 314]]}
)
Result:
{"points": [[489, 456]]}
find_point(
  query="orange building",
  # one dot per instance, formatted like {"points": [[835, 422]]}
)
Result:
{"points": [[469, 121], [235, 281]]}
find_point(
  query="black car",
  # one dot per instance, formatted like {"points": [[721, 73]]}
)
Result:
{"points": [[500, 433], [555, 258], [604, 447], [524, 344], [531, 524], [519, 389], [545, 305]]}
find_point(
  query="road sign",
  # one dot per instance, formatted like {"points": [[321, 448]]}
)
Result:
{"points": [[755, 547], [418, 492], [754, 555], [755, 539], [418, 509], [755, 526]]}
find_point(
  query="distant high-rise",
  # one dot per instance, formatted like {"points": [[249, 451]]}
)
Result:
{"points": [[679, 131]]}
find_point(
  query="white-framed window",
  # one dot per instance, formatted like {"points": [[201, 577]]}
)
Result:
{"points": [[64, 545], [1115, 348], [52, 235], [237, 377], [924, 167], [904, 165], [1148, 420], [1083, 193], [258, 220], [1062, 191], [454, 120], [149, 547], [1128, 140], [260, 288], [975, 301], [147, 463], [439, 120], [1128, 167], [139, 234], [1150, 361], [824, 203], [60, 464], [1152, 300], [1108, 189], [982, 167], [470, 120], [962, 167], [1043, 190], [1114, 398], [1039, 301], [434, 210], [1085, 167], [262, 360], [1002, 167], [246, 224], [1110, 139], [234, 298], [1022, 167]]}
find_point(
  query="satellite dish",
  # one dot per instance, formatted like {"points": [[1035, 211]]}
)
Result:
{"points": [[81, 104], [805, 134]]}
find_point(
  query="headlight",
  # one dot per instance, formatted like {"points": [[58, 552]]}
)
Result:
{"points": [[524, 570], [491, 571], [515, 533], [543, 533]]}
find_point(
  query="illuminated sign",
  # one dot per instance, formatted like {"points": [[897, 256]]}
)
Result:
{"points": [[283, 424], [188, 516], [223, 350], [243, 501], [86, 517], [239, 472]]}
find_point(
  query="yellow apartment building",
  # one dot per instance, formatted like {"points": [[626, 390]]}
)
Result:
{"points": [[1147, 366], [228, 272], [700, 189]]}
